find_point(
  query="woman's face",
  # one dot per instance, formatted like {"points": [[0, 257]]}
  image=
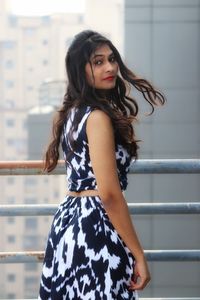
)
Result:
{"points": [[102, 72]]}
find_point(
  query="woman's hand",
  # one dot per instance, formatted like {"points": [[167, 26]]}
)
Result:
{"points": [[141, 275]]}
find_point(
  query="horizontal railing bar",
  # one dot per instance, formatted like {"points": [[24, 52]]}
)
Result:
{"points": [[165, 298], [161, 298], [164, 208], [29, 167], [134, 208], [141, 298], [141, 166], [173, 255], [28, 210], [151, 255], [166, 166]]}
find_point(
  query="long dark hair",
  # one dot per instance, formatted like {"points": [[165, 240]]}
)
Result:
{"points": [[121, 107]]}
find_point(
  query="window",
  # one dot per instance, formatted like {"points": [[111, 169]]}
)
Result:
{"points": [[9, 84], [11, 220], [68, 41], [13, 20], [11, 277], [46, 179], [30, 242], [46, 20], [11, 157], [30, 200], [9, 103], [10, 180], [20, 145], [45, 42], [29, 47], [31, 181], [46, 219], [11, 296], [9, 64], [10, 122], [11, 239], [31, 223], [31, 284], [55, 194], [29, 31], [29, 88], [30, 294], [10, 142], [8, 44], [30, 69], [24, 125], [80, 19], [45, 62], [31, 280], [31, 267], [46, 200], [11, 200]]}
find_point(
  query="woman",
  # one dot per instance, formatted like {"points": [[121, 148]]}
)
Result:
{"points": [[93, 251]]}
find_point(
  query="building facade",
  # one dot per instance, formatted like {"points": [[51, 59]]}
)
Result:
{"points": [[32, 73], [162, 44], [32, 52]]}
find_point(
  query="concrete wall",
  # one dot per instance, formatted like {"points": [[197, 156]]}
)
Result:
{"points": [[162, 44]]}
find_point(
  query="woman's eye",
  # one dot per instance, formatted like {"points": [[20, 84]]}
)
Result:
{"points": [[98, 62], [112, 59]]}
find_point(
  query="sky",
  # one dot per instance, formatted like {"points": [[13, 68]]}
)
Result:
{"points": [[44, 7]]}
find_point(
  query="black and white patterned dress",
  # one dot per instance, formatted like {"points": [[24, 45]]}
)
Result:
{"points": [[85, 257]]}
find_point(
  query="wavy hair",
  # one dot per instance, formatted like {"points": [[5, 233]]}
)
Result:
{"points": [[118, 105]]}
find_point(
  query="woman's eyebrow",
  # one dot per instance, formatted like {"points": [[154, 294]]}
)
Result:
{"points": [[99, 54]]}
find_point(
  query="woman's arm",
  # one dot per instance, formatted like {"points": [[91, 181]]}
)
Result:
{"points": [[102, 154]]}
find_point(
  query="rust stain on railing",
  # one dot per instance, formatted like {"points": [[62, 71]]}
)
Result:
{"points": [[141, 166], [21, 164], [30, 167], [151, 255], [12, 166], [22, 257]]}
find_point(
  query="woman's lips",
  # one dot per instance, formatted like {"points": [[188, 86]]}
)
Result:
{"points": [[110, 78]]}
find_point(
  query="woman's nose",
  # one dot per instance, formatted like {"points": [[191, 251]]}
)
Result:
{"points": [[109, 66]]}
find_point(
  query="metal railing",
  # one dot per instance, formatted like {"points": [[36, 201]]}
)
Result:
{"points": [[154, 166], [143, 166]]}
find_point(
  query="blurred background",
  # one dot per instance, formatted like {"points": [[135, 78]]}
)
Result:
{"points": [[160, 41]]}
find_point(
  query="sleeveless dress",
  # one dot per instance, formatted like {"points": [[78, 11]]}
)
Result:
{"points": [[85, 258]]}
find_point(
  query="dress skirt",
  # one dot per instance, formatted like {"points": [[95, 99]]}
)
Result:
{"points": [[85, 257]]}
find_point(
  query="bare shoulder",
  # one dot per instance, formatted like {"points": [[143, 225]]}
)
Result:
{"points": [[98, 118], [101, 144]]}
